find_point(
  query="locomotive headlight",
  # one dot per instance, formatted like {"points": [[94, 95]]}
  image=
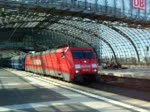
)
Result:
{"points": [[77, 67], [77, 71], [95, 70]]}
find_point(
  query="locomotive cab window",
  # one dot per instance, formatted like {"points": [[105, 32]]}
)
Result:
{"points": [[83, 54], [88, 54]]}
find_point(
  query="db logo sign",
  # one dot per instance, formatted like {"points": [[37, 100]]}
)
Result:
{"points": [[139, 4]]}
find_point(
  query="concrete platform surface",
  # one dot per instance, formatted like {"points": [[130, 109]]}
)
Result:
{"points": [[31, 94], [17, 90], [140, 73], [137, 78]]}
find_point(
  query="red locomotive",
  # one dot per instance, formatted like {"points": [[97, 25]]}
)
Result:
{"points": [[71, 64]]}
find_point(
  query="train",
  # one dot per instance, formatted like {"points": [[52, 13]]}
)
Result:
{"points": [[16, 62], [67, 63]]}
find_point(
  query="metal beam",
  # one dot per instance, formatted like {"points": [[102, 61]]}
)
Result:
{"points": [[90, 33], [130, 40]]}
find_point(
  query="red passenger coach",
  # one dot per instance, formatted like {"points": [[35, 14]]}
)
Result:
{"points": [[71, 64]]}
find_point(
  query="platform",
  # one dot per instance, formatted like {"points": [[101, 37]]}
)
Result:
{"points": [[138, 78], [139, 73], [19, 94], [22, 91]]}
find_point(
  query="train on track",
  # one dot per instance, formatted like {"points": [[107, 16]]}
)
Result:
{"points": [[68, 63]]}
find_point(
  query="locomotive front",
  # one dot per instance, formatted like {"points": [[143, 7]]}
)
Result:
{"points": [[85, 64]]}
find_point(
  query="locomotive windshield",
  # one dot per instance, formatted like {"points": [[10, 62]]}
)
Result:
{"points": [[83, 54]]}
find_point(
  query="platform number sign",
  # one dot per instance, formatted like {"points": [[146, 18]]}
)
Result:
{"points": [[139, 4]]}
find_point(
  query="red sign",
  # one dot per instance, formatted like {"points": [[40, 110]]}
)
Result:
{"points": [[139, 4]]}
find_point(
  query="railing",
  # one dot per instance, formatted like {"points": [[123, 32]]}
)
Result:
{"points": [[107, 10], [115, 10]]}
